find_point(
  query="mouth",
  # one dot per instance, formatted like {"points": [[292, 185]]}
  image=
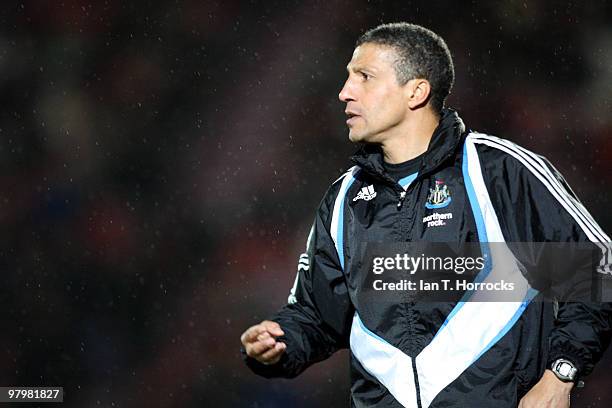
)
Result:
{"points": [[351, 117]]}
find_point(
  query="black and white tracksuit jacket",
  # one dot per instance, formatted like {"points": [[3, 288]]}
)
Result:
{"points": [[442, 354]]}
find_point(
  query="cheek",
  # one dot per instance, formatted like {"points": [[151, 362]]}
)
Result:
{"points": [[382, 105], [387, 109], [395, 106]]}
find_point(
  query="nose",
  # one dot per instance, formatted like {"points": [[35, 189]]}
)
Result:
{"points": [[346, 93]]}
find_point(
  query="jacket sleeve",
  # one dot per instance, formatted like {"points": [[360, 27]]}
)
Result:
{"points": [[317, 318], [550, 212], [583, 326]]}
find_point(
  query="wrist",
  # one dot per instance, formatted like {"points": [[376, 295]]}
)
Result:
{"points": [[554, 382]]}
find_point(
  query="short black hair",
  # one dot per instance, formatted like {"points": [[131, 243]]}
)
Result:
{"points": [[421, 54]]}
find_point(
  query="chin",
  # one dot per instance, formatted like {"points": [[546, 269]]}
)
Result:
{"points": [[356, 137]]}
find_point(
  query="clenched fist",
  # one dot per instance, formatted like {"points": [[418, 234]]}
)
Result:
{"points": [[260, 343]]}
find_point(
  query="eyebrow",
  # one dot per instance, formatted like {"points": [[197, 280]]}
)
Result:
{"points": [[356, 68]]}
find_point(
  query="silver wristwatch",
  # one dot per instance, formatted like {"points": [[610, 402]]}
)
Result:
{"points": [[564, 370]]}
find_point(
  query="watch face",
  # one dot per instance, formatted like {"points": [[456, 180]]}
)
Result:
{"points": [[565, 369]]}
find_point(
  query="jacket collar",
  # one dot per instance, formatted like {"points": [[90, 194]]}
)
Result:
{"points": [[443, 144]]}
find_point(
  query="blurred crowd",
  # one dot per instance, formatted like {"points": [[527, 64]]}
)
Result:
{"points": [[161, 163]]}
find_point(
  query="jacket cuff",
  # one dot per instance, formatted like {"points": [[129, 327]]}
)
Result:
{"points": [[572, 355]]}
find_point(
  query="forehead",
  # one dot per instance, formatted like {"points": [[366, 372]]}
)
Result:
{"points": [[370, 55]]}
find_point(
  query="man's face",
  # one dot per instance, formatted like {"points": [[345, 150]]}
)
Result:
{"points": [[375, 102]]}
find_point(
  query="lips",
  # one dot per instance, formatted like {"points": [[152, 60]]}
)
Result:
{"points": [[351, 116], [352, 119]]}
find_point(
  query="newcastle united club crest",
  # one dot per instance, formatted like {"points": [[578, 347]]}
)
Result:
{"points": [[439, 196]]}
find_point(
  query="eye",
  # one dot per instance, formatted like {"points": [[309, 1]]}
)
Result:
{"points": [[364, 75]]}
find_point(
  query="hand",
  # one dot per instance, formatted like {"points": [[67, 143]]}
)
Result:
{"points": [[260, 343], [549, 392]]}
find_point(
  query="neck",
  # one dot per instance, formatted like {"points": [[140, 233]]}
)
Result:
{"points": [[411, 139]]}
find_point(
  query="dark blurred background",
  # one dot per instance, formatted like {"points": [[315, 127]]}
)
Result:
{"points": [[161, 163]]}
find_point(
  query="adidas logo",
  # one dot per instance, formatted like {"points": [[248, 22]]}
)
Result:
{"points": [[366, 193]]}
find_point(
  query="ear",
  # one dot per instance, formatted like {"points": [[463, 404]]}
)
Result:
{"points": [[418, 91]]}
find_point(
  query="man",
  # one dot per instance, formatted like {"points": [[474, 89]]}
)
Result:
{"points": [[420, 177]]}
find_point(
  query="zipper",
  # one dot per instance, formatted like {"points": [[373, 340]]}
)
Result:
{"points": [[402, 197], [416, 383], [410, 314]]}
